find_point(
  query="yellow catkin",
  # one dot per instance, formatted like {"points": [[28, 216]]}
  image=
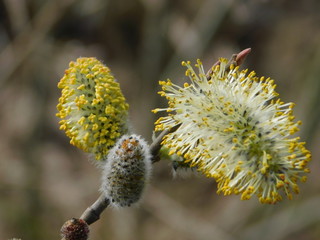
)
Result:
{"points": [[92, 107], [233, 129]]}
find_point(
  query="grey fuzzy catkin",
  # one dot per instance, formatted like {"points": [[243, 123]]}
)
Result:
{"points": [[126, 171]]}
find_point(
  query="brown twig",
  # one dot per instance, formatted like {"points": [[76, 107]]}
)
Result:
{"points": [[92, 213]]}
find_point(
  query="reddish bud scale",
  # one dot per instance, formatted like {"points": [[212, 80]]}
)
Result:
{"points": [[75, 229]]}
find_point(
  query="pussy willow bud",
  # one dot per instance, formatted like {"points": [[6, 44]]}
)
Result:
{"points": [[75, 229], [126, 171]]}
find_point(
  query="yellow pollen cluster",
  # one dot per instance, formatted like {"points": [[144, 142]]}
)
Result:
{"points": [[92, 107]]}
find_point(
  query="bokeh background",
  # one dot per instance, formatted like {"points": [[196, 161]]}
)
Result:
{"points": [[44, 180]]}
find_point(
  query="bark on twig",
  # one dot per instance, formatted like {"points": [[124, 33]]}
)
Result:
{"points": [[92, 213]]}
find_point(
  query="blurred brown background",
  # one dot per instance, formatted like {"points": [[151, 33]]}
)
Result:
{"points": [[44, 180]]}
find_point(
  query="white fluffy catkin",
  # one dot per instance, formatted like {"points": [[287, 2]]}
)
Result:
{"points": [[126, 171]]}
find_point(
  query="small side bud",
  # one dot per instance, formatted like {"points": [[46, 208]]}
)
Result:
{"points": [[126, 171], [241, 56], [75, 229]]}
